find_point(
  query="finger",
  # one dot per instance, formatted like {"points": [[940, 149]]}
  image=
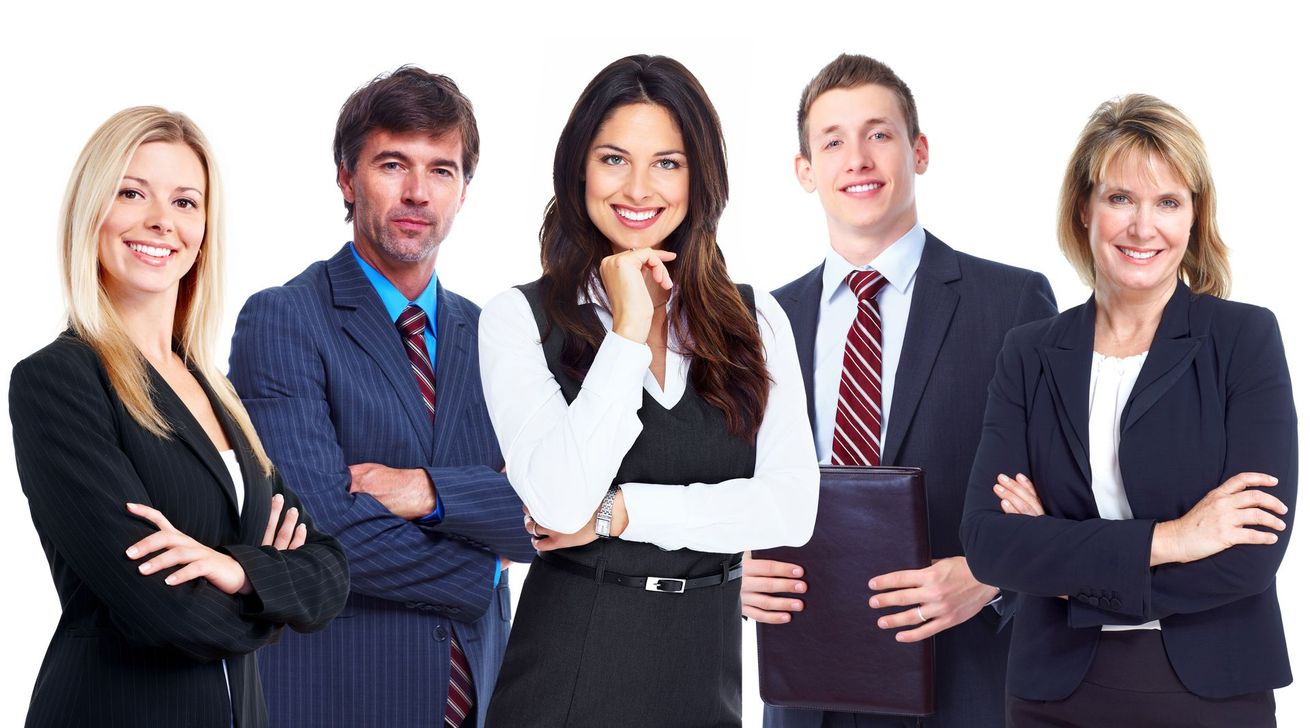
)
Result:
{"points": [[898, 598], [769, 585], [189, 572], [765, 616], [772, 603], [765, 567], [1252, 536], [1259, 499], [660, 274], [150, 514], [288, 530], [1242, 481], [907, 618], [1015, 502], [1256, 517], [899, 579], [1022, 488], [923, 631], [171, 557], [302, 533], [274, 513], [157, 541], [1008, 508]]}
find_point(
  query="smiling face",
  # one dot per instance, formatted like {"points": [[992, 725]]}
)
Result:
{"points": [[1139, 221], [156, 224], [862, 163], [406, 188], [637, 178]]}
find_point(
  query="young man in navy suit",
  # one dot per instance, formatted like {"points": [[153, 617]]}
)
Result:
{"points": [[940, 317], [361, 376]]}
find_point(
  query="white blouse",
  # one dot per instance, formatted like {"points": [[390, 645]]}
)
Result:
{"points": [[561, 458], [238, 480], [1112, 381]]}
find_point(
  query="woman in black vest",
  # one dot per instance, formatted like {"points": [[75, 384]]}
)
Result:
{"points": [[652, 417]]}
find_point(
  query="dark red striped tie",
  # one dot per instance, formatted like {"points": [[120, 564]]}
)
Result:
{"points": [[857, 436], [412, 323]]}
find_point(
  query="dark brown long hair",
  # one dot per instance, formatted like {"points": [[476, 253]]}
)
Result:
{"points": [[709, 317]]}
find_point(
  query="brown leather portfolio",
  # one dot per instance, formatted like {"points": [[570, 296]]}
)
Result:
{"points": [[832, 655]]}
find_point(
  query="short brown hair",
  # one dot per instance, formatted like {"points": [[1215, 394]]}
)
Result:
{"points": [[1145, 125], [408, 100], [849, 71]]}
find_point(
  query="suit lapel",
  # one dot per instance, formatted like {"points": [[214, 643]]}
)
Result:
{"points": [[801, 304], [1172, 352], [931, 309], [189, 431], [365, 320], [1069, 363], [456, 346], [255, 509]]}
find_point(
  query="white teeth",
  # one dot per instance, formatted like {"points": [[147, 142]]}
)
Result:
{"points": [[1135, 255], [627, 214], [864, 187], [150, 250]]}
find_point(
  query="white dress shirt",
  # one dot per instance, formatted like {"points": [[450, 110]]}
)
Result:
{"points": [[899, 264], [233, 469], [561, 458], [1112, 381]]}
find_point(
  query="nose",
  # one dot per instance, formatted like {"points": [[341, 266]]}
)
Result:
{"points": [[160, 220], [1142, 225], [637, 186], [415, 191], [858, 157]]}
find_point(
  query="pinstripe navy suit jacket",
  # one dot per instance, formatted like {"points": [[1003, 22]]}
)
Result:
{"points": [[323, 372]]}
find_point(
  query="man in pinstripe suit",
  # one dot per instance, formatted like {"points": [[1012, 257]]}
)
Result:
{"points": [[361, 375]]}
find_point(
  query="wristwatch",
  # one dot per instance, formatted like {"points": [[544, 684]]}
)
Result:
{"points": [[606, 512]]}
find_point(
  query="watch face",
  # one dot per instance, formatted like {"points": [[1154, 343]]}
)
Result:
{"points": [[602, 528]]}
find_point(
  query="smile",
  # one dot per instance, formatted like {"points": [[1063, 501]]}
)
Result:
{"points": [[637, 218], [1139, 254], [151, 250], [863, 187]]}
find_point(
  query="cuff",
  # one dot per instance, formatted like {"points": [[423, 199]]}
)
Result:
{"points": [[437, 513], [619, 363], [654, 511]]}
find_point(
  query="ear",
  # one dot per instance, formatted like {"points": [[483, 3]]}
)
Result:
{"points": [[805, 173], [921, 154], [344, 180], [1082, 212], [463, 192]]}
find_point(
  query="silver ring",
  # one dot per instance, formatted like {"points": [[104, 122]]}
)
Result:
{"points": [[531, 524], [919, 610]]}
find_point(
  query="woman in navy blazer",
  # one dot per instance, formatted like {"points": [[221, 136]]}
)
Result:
{"points": [[1157, 425], [156, 506]]}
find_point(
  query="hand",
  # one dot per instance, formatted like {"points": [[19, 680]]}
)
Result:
{"points": [[942, 596], [406, 493], [177, 548], [625, 277], [288, 538], [504, 563], [1224, 518], [1018, 495], [544, 539], [763, 579]]}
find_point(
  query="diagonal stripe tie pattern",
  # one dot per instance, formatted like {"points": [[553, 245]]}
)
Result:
{"points": [[857, 436], [412, 323]]}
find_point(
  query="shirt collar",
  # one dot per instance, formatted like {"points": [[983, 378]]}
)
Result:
{"points": [[392, 299], [898, 264]]}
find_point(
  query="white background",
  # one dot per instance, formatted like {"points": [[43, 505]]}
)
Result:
{"points": [[1003, 91]]}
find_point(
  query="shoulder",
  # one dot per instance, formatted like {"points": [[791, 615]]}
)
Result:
{"points": [[460, 305], [1230, 322], [994, 273], [66, 354], [309, 285], [797, 288]]}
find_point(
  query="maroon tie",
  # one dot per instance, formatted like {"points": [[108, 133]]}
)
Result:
{"points": [[857, 436], [412, 323]]}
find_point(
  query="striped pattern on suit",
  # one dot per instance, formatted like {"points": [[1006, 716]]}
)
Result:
{"points": [[324, 374]]}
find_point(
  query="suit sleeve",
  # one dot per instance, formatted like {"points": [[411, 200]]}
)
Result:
{"points": [[78, 482], [277, 368], [303, 588], [1041, 555], [481, 508], [1260, 425], [1036, 300]]}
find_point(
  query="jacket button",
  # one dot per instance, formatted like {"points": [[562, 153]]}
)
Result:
{"points": [[1104, 602], [439, 634], [1115, 603]]}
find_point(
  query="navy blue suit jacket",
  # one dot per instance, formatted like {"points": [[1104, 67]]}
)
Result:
{"points": [[323, 372], [960, 311], [1214, 399]]}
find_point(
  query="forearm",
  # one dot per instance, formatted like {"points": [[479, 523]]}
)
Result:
{"points": [[480, 506]]}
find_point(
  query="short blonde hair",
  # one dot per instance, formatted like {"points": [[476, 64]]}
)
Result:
{"points": [[92, 189], [1146, 125]]}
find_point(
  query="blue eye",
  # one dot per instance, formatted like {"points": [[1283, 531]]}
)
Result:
{"points": [[611, 159], [1171, 204], [1118, 199], [667, 164], [391, 166], [879, 135], [832, 143]]}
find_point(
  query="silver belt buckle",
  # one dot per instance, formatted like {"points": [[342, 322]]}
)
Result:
{"points": [[665, 584]]}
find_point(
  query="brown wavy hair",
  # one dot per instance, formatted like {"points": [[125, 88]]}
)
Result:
{"points": [[711, 320]]}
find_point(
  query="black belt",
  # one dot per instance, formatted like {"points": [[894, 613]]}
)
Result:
{"points": [[667, 584]]}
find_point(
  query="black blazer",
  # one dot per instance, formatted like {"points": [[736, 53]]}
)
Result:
{"points": [[1213, 399], [129, 649], [960, 311]]}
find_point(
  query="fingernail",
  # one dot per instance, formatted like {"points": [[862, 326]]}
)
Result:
{"points": [[277, 497], [797, 606], [131, 553], [873, 584], [132, 506], [785, 618], [798, 586], [796, 571], [145, 568], [873, 602], [170, 580], [882, 623]]}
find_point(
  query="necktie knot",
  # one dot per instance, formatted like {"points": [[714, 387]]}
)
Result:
{"points": [[412, 320], [865, 284]]}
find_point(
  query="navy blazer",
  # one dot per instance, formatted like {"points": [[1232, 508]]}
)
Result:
{"points": [[131, 650], [1213, 399], [323, 371], [960, 311]]}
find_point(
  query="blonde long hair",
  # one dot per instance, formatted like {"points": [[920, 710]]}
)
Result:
{"points": [[1147, 125], [92, 189]]}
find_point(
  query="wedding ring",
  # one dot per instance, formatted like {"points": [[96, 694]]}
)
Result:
{"points": [[919, 610]]}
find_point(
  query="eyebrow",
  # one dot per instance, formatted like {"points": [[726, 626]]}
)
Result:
{"points": [[621, 150], [402, 157], [875, 121], [146, 184]]}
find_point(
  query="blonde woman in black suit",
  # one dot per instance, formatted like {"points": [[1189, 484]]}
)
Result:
{"points": [[157, 508]]}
